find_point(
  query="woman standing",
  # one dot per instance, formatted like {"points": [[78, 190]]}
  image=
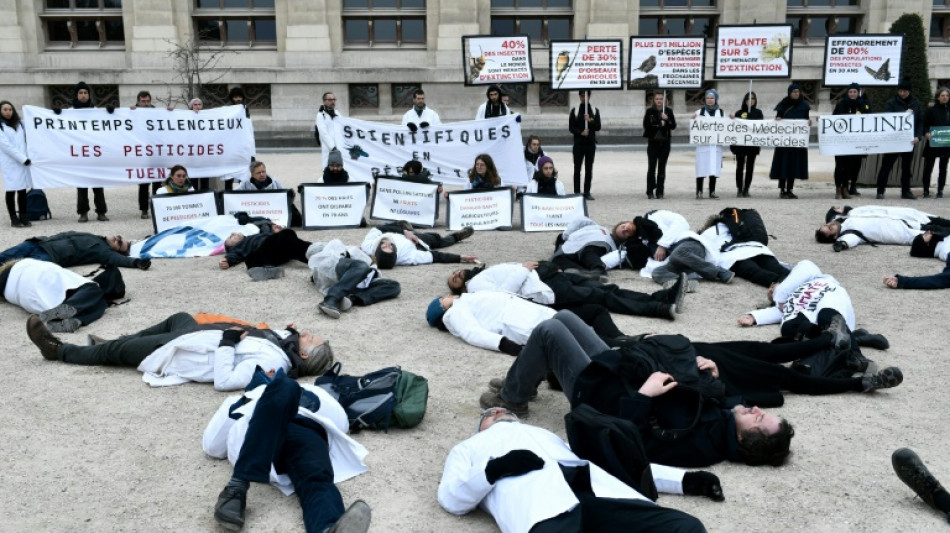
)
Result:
{"points": [[82, 99], [790, 163], [938, 115], [14, 164], [848, 166], [745, 155], [708, 157], [658, 125]]}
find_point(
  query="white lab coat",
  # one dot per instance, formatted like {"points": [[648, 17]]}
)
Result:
{"points": [[428, 115], [719, 235], [322, 259], [883, 224], [709, 157], [806, 291], [675, 228], [331, 135], [39, 286], [406, 251], [512, 278], [483, 318], [16, 176]]}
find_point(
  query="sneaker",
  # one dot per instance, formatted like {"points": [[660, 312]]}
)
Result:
{"points": [[66, 325], [727, 276], [60, 312], [83, 218], [464, 233], [885, 379], [493, 399], [44, 340], [101, 217], [95, 340], [912, 471], [791, 196], [496, 384], [681, 290], [692, 285], [867, 339], [328, 308], [229, 511], [265, 273], [356, 519], [840, 334], [880, 196]]}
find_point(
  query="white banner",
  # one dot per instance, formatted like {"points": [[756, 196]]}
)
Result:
{"points": [[760, 51], [480, 209], [273, 204], [397, 199], [864, 59], [865, 134], [447, 151], [762, 133], [667, 62], [171, 210], [332, 206], [95, 148], [551, 213], [586, 65], [494, 60]]}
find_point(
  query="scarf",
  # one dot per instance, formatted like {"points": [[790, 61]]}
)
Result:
{"points": [[331, 112], [419, 110], [261, 185], [533, 156], [547, 185], [480, 182], [175, 189], [335, 177], [495, 110]]}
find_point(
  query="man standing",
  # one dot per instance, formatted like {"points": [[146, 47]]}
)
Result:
{"points": [[144, 99], [903, 102], [493, 107], [331, 133], [420, 116], [584, 123]]}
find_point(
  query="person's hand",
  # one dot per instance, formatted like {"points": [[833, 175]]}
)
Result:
{"points": [[110, 109], [584, 133], [530, 265], [660, 253], [57, 111], [706, 364], [512, 464], [915, 140], [276, 228], [702, 483], [891, 282], [223, 264], [27, 163], [732, 115], [132, 107], [746, 320], [445, 194], [663, 116], [694, 115], [412, 127], [232, 336], [927, 135], [469, 259], [412, 237], [658, 383], [142, 264], [839, 246]]}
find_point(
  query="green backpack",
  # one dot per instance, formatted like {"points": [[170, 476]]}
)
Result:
{"points": [[386, 397]]}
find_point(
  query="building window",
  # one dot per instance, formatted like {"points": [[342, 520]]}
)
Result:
{"points": [[541, 20], [940, 21], [364, 96], [402, 95], [696, 18], [256, 95], [549, 97], [384, 23], [83, 24], [695, 98], [237, 23], [517, 94], [61, 96], [813, 20]]}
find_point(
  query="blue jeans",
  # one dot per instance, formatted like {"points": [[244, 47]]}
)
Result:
{"points": [[25, 249]]}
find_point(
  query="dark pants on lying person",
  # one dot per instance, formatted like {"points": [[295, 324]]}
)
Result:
{"points": [[89, 302], [762, 270], [936, 281], [801, 327], [352, 272], [433, 240], [277, 249], [610, 515], [571, 289], [297, 446], [689, 256], [588, 258], [130, 350]]}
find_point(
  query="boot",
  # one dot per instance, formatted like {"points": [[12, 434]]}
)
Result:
{"points": [[853, 190], [699, 188], [844, 193], [837, 193], [912, 471], [712, 188]]}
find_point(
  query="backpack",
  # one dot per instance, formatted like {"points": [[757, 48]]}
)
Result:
{"points": [[37, 208], [389, 396], [745, 225]]}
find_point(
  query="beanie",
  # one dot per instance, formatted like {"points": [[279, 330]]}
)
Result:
{"points": [[905, 85], [385, 260], [544, 159], [335, 158], [434, 314]]}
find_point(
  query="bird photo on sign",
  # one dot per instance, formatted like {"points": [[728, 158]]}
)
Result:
{"points": [[646, 80]]}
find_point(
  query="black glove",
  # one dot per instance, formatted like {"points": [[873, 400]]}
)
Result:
{"points": [[702, 483], [518, 118], [142, 264], [27, 163], [231, 337], [110, 109], [509, 346], [513, 463], [423, 124], [412, 127], [57, 111], [839, 245]]}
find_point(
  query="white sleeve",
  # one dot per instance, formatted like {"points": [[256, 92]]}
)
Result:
{"points": [[463, 485], [214, 441], [764, 317], [532, 186], [673, 226], [230, 376], [480, 113], [461, 323], [9, 148], [435, 119], [560, 189], [801, 273], [536, 290], [667, 478], [370, 240], [614, 258]]}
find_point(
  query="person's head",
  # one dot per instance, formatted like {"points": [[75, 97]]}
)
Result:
{"points": [[624, 230], [794, 91], [8, 113], [533, 144], [495, 414], [484, 166], [546, 167], [385, 254], [335, 161], [82, 93], [419, 98], [658, 100], [750, 100], [412, 168], [494, 94], [178, 175], [711, 98], [828, 232], [316, 354], [764, 439], [584, 95], [505, 98], [258, 171], [117, 243], [436, 310], [143, 99], [904, 88], [195, 104], [233, 239], [329, 100], [236, 95], [943, 95], [925, 244], [854, 91]]}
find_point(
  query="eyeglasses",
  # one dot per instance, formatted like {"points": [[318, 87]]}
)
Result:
{"points": [[329, 99], [492, 411]]}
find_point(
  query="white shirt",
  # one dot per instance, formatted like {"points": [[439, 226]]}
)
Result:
{"points": [[406, 251], [806, 291], [483, 318], [428, 115], [331, 135], [718, 235]]}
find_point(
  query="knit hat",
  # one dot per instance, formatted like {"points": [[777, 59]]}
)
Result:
{"points": [[81, 85], [385, 260], [854, 86], [714, 93], [544, 159], [920, 248], [905, 85], [434, 314], [335, 158], [793, 87]]}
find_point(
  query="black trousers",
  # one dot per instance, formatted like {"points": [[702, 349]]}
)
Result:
{"points": [[144, 194], [571, 289], [941, 171], [588, 258], [595, 316], [744, 163], [846, 169], [762, 270], [432, 239], [277, 249], [129, 350], [584, 153], [98, 197], [658, 152], [887, 162]]}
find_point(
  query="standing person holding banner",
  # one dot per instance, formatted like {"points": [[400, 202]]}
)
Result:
{"points": [[658, 126], [493, 107], [14, 164], [790, 163], [745, 155], [330, 130], [902, 102], [938, 115], [708, 157], [420, 116], [144, 99], [584, 123], [848, 166], [82, 99]]}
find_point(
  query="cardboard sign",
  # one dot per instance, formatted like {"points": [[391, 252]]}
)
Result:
{"points": [[481, 209], [667, 62], [398, 199], [870, 60], [272, 204], [170, 210], [865, 134], [551, 213], [761, 51], [586, 65], [492, 60], [725, 131], [333, 206]]}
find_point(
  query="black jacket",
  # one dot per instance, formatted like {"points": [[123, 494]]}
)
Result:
{"points": [[896, 105], [576, 124], [847, 106], [651, 124], [72, 248]]}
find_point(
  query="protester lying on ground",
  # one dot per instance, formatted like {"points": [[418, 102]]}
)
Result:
{"points": [[683, 251], [346, 277], [748, 258], [265, 252], [72, 248], [941, 280], [589, 249], [399, 244], [847, 227]]}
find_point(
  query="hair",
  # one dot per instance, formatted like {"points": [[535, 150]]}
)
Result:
{"points": [[324, 97], [666, 101], [757, 448], [539, 174], [191, 103], [176, 168], [491, 173], [418, 92], [414, 166], [14, 119], [6, 267], [142, 94], [940, 89], [613, 230], [319, 358], [824, 239], [254, 164], [527, 144], [584, 92], [236, 91], [745, 100]]}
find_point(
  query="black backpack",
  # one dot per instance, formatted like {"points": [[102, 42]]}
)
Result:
{"points": [[37, 208], [389, 396], [745, 225]]}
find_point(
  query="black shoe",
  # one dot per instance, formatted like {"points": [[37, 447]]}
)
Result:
{"points": [[912, 471], [588, 196], [885, 379], [908, 196], [494, 399], [853, 191], [840, 334], [650, 196], [101, 217], [880, 196], [939, 194], [463, 233], [659, 196], [229, 511], [791, 196], [83, 218], [329, 308], [48, 344], [869, 340], [713, 195], [16, 223], [356, 519], [496, 384]]}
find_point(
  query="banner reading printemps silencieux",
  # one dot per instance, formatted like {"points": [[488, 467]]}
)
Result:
{"points": [[667, 62], [446, 151], [551, 213], [481, 209], [493, 60], [399, 199], [865, 134], [273, 204], [586, 65], [761, 133], [95, 148], [333, 206], [760, 51], [863, 59]]}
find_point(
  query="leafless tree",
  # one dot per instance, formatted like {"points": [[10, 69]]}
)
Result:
{"points": [[194, 66]]}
